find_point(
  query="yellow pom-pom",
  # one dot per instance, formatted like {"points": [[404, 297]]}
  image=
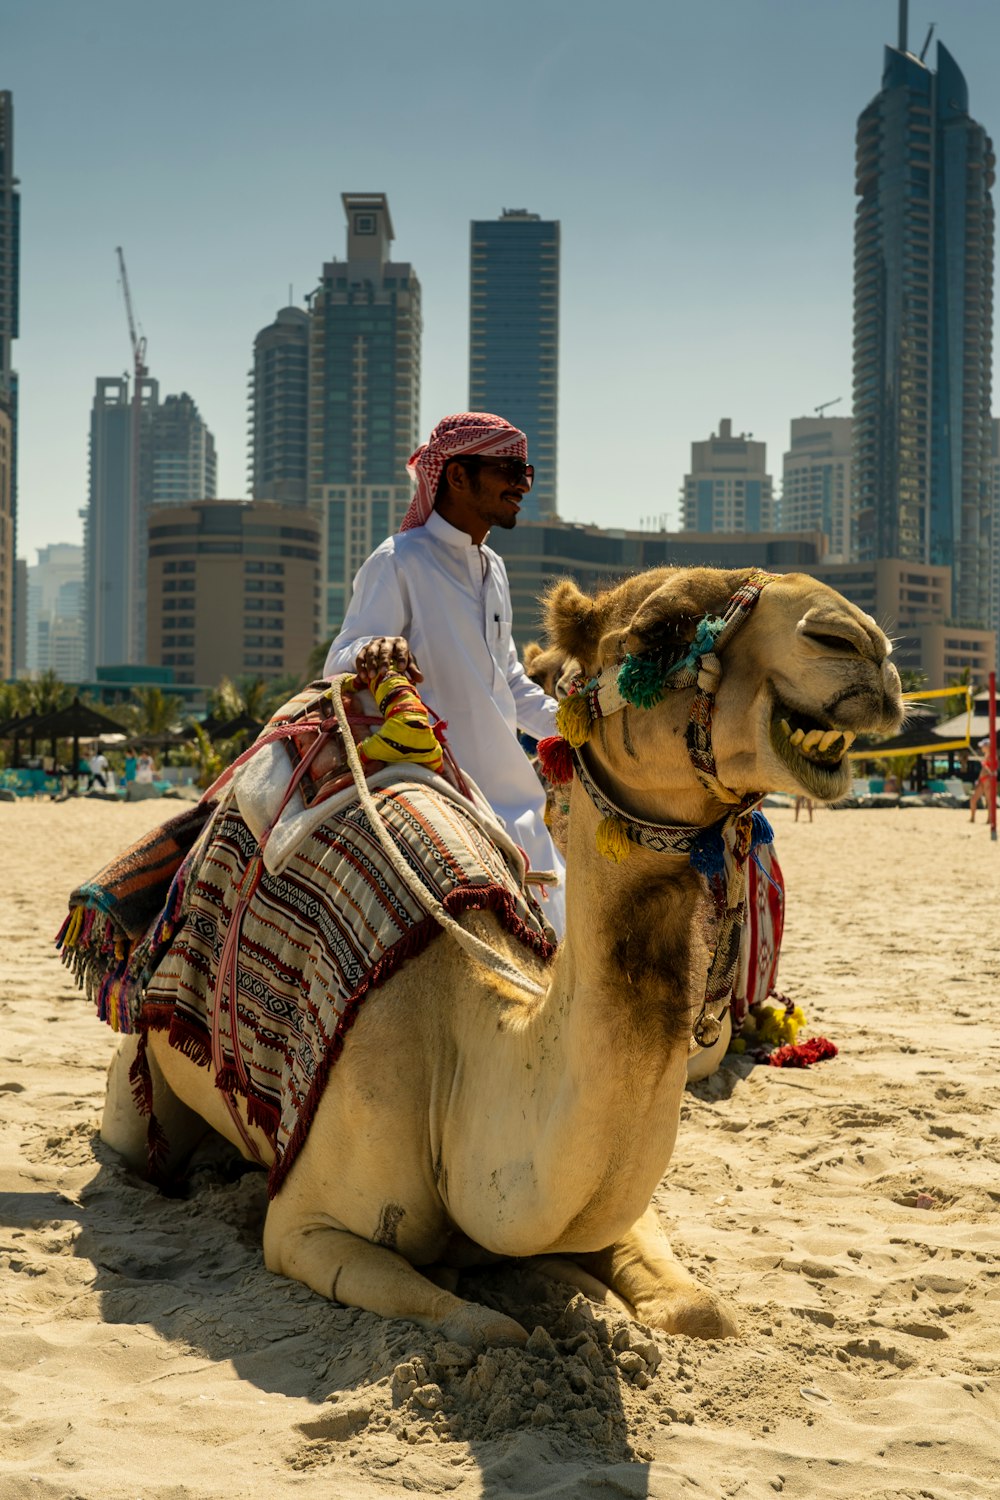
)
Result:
{"points": [[612, 840], [573, 720], [737, 1044]]}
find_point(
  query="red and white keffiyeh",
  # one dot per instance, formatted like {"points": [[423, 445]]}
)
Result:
{"points": [[467, 432]]}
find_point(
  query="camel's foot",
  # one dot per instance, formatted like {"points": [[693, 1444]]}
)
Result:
{"points": [[641, 1269], [694, 1312], [357, 1273]]}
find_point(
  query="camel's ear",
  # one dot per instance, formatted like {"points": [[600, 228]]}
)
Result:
{"points": [[666, 620], [530, 654], [572, 621]]}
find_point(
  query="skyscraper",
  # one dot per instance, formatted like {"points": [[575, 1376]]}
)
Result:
{"points": [[279, 409], [923, 316], [10, 241], [816, 482], [364, 396], [728, 488], [514, 337], [176, 464]]}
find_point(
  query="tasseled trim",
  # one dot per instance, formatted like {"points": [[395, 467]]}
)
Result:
{"points": [[612, 839], [574, 720], [555, 758]]}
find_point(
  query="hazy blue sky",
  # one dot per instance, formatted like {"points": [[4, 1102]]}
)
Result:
{"points": [[699, 155]]}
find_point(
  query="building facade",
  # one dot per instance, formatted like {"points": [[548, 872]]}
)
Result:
{"points": [[175, 462], [55, 612], [536, 553], [923, 318], [728, 488], [278, 390], [10, 275], [233, 589], [514, 338], [364, 388], [816, 482]]}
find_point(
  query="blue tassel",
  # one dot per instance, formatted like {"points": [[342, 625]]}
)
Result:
{"points": [[708, 856], [762, 833]]}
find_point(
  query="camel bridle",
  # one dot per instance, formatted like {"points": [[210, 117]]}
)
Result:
{"points": [[719, 851]]}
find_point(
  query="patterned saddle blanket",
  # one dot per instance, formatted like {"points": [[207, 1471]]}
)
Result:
{"points": [[312, 942]]}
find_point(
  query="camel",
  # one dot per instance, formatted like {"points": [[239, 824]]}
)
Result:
{"points": [[470, 1118]]}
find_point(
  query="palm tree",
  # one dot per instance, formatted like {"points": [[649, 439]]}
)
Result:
{"points": [[154, 711]]}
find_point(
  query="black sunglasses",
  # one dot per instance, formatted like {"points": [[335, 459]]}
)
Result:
{"points": [[514, 470]]}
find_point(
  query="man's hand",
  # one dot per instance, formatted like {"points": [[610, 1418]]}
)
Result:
{"points": [[387, 653]]}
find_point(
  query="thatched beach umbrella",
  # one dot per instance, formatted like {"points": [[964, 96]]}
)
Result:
{"points": [[76, 722]]}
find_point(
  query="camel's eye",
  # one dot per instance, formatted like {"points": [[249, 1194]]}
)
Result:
{"points": [[831, 642]]}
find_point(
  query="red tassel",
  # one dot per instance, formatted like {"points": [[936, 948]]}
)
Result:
{"points": [[802, 1054], [555, 759]]}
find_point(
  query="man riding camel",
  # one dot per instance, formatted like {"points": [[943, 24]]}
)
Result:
{"points": [[434, 601]]}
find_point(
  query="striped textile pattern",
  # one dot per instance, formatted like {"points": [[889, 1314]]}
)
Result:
{"points": [[314, 941]]}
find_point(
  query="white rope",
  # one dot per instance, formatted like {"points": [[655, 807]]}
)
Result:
{"points": [[486, 955]]}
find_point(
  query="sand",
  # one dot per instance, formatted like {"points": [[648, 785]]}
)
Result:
{"points": [[850, 1212]]}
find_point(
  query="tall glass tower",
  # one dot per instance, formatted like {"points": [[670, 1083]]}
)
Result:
{"points": [[279, 409], [10, 240], [514, 337], [923, 316], [364, 396]]}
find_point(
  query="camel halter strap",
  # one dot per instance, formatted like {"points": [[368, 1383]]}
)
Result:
{"points": [[720, 851]]}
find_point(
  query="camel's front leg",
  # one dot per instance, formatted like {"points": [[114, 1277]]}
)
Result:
{"points": [[347, 1269], [641, 1268]]}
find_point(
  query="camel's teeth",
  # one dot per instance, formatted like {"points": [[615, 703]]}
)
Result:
{"points": [[797, 737], [827, 740], [785, 728], [811, 740], [849, 738]]}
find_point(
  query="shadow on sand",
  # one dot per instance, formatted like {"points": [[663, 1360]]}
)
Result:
{"points": [[394, 1402]]}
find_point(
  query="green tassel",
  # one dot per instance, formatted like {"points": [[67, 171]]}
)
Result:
{"points": [[641, 681]]}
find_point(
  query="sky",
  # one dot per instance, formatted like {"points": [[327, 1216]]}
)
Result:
{"points": [[698, 155]]}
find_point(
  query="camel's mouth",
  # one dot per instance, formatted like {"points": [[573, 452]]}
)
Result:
{"points": [[813, 750]]}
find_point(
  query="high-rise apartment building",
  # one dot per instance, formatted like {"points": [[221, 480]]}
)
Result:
{"points": [[728, 488], [10, 273], [514, 337], [364, 396], [176, 463], [923, 320], [55, 612], [816, 482], [278, 389]]}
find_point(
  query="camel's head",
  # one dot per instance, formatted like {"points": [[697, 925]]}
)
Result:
{"points": [[802, 674]]}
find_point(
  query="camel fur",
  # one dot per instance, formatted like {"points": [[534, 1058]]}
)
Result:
{"points": [[468, 1119]]}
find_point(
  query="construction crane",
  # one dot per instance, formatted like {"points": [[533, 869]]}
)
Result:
{"points": [[135, 539], [819, 410], [138, 342]]}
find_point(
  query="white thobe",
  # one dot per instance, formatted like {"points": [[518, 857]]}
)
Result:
{"points": [[450, 599]]}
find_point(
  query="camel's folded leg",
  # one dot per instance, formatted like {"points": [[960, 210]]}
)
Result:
{"points": [[347, 1269], [641, 1268], [126, 1130]]}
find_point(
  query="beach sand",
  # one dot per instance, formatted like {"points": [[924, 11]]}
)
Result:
{"points": [[850, 1212]]}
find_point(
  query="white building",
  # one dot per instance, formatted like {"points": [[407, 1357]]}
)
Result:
{"points": [[816, 482], [55, 612], [728, 488]]}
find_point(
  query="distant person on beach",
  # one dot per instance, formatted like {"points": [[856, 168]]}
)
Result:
{"points": [[145, 769], [985, 784], [98, 768]]}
